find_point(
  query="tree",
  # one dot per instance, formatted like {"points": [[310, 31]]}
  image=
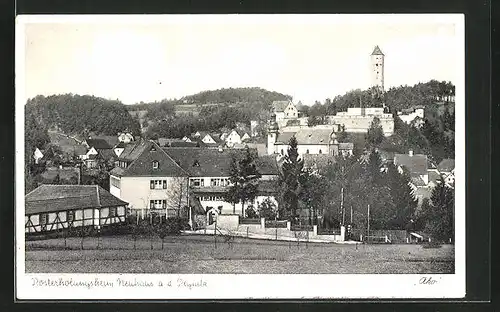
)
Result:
{"points": [[57, 179], [311, 193], [374, 167], [268, 209], [375, 134], [291, 170], [402, 195], [244, 178], [439, 215], [177, 194]]}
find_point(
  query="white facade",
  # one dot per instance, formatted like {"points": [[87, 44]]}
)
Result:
{"points": [[302, 149], [118, 151], [359, 120], [125, 137], [233, 138], [150, 192], [408, 118], [37, 155], [377, 71], [208, 139], [91, 151]]}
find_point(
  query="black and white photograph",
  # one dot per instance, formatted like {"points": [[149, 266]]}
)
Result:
{"points": [[240, 156]]}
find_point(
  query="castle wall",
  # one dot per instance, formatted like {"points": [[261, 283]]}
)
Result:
{"points": [[361, 124]]}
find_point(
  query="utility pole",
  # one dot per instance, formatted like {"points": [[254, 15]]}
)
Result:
{"points": [[368, 230], [342, 205]]}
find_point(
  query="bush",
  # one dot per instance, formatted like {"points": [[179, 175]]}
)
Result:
{"points": [[250, 213], [267, 209]]}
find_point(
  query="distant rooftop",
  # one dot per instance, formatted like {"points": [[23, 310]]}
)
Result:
{"points": [[377, 51]]}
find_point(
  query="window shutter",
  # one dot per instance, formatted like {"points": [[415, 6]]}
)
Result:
{"points": [[164, 203], [151, 184], [151, 204], [164, 184]]}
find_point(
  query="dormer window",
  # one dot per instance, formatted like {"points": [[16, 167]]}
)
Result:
{"points": [[156, 164], [196, 163]]}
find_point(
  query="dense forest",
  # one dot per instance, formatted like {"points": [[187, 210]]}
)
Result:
{"points": [[81, 114], [216, 109]]}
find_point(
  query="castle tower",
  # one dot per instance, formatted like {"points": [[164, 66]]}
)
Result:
{"points": [[272, 135], [377, 69]]}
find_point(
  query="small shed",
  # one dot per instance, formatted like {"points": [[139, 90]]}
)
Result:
{"points": [[57, 207]]}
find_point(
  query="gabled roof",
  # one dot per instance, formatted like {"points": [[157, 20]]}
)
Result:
{"points": [[433, 176], [107, 154], [346, 146], [120, 145], [416, 164], [203, 162], [80, 150], [377, 51], [306, 137], [446, 165], [47, 198], [279, 106], [98, 144], [417, 181], [145, 154]]}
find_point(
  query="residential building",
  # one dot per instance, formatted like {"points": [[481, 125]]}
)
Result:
{"points": [[284, 111], [172, 178], [359, 119], [149, 179], [310, 140], [125, 137], [446, 169], [57, 207], [414, 114], [37, 155], [417, 166]]}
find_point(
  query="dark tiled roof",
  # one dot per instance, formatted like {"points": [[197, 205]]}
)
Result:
{"points": [[307, 136], [133, 150], [107, 154], [446, 165], [377, 51], [203, 162], [47, 198], [279, 106], [121, 145], [417, 181], [98, 143], [415, 164], [80, 150], [434, 176], [317, 161], [346, 146], [143, 164]]}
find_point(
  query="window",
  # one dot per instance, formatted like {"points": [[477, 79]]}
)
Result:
{"points": [[112, 211], [307, 152], [197, 182], [70, 215], [212, 198], [44, 219], [156, 164], [115, 181], [320, 152], [281, 151], [157, 204], [158, 184], [219, 182]]}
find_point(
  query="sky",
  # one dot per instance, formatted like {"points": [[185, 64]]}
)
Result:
{"points": [[311, 57]]}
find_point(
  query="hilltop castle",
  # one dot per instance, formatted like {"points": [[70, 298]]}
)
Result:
{"points": [[286, 121]]}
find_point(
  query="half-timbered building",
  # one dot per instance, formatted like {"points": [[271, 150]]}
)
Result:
{"points": [[57, 207]]}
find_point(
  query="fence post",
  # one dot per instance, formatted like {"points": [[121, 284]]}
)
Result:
{"points": [[342, 233], [276, 234], [263, 223], [315, 230], [288, 225], [247, 231]]}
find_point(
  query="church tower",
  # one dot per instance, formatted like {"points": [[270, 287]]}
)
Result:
{"points": [[272, 134], [377, 69]]}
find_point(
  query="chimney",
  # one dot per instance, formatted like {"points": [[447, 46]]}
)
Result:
{"points": [[410, 152], [221, 149]]}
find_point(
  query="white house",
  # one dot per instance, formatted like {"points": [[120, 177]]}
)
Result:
{"points": [[37, 155], [314, 140], [409, 115], [170, 180], [125, 137], [284, 111]]}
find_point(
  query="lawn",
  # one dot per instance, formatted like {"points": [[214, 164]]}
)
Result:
{"points": [[197, 254]]}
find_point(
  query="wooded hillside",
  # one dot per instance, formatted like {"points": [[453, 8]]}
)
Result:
{"points": [[80, 114]]}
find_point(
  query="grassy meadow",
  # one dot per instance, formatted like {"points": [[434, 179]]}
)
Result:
{"points": [[196, 254]]}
